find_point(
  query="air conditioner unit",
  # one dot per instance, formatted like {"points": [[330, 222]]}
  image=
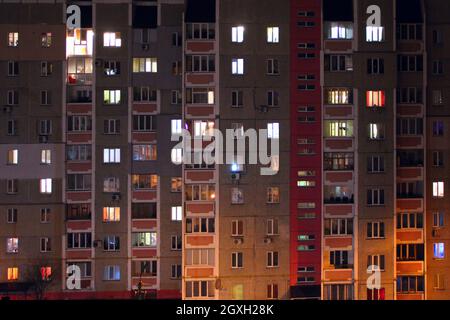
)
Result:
{"points": [[145, 47], [116, 197], [264, 108], [238, 241], [7, 109], [267, 240], [235, 176], [43, 138]]}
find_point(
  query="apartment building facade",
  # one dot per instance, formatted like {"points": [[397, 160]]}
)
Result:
{"points": [[95, 105]]}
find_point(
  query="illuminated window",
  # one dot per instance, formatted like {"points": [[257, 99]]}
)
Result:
{"points": [[13, 156], [111, 214], [12, 245], [335, 128], [376, 131], [273, 130], [200, 95], [46, 273], [273, 34], [45, 186], [375, 98], [112, 39], [111, 155], [13, 39], [111, 184], [306, 183], [203, 128], [374, 34], [176, 184], [339, 96], [340, 30], [176, 127], [13, 274], [273, 195], [177, 213], [438, 250], [111, 96], [46, 156], [237, 34], [144, 239], [237, 66], [145, 152], [145, 65], [111, 67], [46, 39], [144, 181], [438, 189], [111, 273], [177, 155]]}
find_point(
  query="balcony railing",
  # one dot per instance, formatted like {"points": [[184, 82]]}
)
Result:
{"points": [[339, 200]]}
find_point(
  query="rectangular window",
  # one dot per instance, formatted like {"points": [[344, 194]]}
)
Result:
{"points": [[145, 65], [111, 273], [176, 184], [144, 94], [144, 123], [79, 182], [13, 274], [200, 95], [111, 67], [11, 215], [376, 131], [375, 230], [45, 215], [200, 225], [273, 195], [438, 128], [273, 34], [46, 40], [46, 245], [411, 95], [13, 68], [375, 66], [237, 98], [112, 39], [338, 63], [200, 63], [144, 152], [176, 126], [273, 130], [111, 126], [12, 245], [273, 67], [111, 184], [408, 31], [237, 196], [338, 227], [144, 181], [237, 228], [410, 63], [375, 164], [80, 152], [374, 34], [177, 213], [438, 189], [13, 157], [237, 260], [200, 31], [375, 197], [80, 240], [339, 96], [334, 128], [237, 66], [13, 39], [111, 96], [199, 289], [175, 271], [409, 126], [272, 98], [237, 34], [410, 284], [111, 243], [438, 67], [45, 186], [272, 259], [375, 99], [272, 227], [12, 98], [341, 259], [437, 97], [176, 97], [12, 186], [111, 155], [340, 30], [111, 214], [407, 220], [438, 219], [143, 239], [438, 250]]}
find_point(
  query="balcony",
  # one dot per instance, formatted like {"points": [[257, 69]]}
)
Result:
{"points": [[84, 79], [79, 94], [339, 200]]}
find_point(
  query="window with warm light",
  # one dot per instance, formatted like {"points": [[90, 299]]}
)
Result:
{"points": [[13, 274], [200, 95], [438, 189], [46, 156], [13, 157], [237, 34], [145, 65], [13, 39], [12, 245], [145, 152], [273, 34], [273, 195], [111, 214], [375, 99], [203, 128], [112, 39], [339, 96], [200, 192], [46, 273], [338, 128], [45, 186], [46, 40], [144, 239], [374, 34], [144, 181]]}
